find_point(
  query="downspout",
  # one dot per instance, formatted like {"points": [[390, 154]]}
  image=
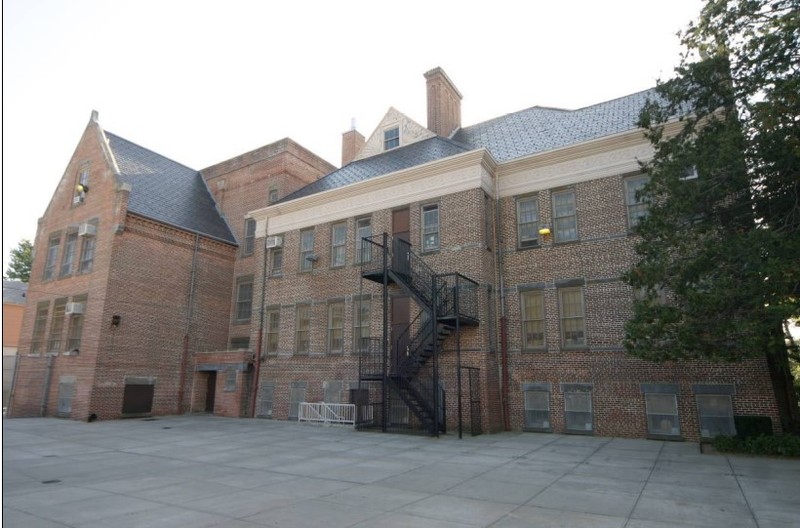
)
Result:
{"points": [[260, 341], [189, 314], [47, 379], [504, 388]]}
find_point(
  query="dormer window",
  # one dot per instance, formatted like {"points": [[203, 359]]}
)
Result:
{"points": [[81, 186], [391, 138]]}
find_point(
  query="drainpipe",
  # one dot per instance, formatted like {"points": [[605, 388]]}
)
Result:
{"points": [[47, 379], [260, 342], [504, 388], [189, 314]]}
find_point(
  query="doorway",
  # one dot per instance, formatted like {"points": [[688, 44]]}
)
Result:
{"points": [[211, 390]]}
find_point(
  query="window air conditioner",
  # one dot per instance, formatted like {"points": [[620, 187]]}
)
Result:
{"points": [[87, 230], [73, 308], [274, 242]]}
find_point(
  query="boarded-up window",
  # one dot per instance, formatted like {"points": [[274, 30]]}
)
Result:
{"points": [[267, 393], [333, 391], [537, 409], [66, 388], [296, 396], [138, 396]]}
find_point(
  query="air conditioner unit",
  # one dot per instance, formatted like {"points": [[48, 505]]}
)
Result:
{"points": [[274, 242], [73, 308], [87, 230]]}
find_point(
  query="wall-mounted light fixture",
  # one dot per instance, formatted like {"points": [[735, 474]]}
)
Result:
{"points": [[82, 188], [115, 320], [544, 230]]}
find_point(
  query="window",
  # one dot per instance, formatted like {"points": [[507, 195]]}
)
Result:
{"points": [[267, 394], [572, 320], [391, 138], [68, 258], [273, 324], [537, 405], [57, 326], [244, 299], [230, 379], [430, 227], [306, 250], [303, 329], [662, 414], [715, 412], [336, 327], [578, 408], [277, 262], [76, 326], [338, 239], [81, 186], [66, 388], [532, 320], [249, 237], [637, 208], [528, 221], [332, 391], [87, 254], [52, 255], [565, 222], [273, 195], [39, 326], [240, 343], [296, 397], [363, 249], [361, 331]]}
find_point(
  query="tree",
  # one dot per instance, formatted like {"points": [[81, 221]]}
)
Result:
{"points": [[21, 260], [719, 257]]}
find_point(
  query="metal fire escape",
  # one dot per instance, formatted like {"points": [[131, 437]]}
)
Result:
{"points": [[406, 366]]}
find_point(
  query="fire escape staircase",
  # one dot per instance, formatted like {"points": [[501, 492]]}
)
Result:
{"points": [[410, 369]]}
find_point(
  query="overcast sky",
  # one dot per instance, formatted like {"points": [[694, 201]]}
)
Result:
{"points": [[203, 81]]}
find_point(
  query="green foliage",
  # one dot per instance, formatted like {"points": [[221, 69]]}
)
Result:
{"points": [[752, 426], [787, 445], [724, 246], [21, 259]]}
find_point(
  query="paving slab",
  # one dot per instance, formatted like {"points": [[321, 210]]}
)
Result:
{"points": [[206, 471]]}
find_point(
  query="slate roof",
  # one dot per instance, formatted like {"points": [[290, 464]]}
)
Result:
{"points": [[418, 153], [539, 129], [529, 131], [14, 292], [168, 192]]}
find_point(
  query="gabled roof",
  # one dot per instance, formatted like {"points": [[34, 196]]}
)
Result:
{"points": [[393, 160], [539, 129], [168, 192], [14, 292]]}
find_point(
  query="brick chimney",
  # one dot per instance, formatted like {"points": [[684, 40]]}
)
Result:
{"points": [[444, 103], [352, 141]]}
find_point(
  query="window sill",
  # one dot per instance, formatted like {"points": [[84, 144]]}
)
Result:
{"points": [[665, 437], [537, 350], [579, 433], [526, 248], [537, 429]]}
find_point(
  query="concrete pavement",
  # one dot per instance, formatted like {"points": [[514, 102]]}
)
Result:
{"points": [[206, 471]]}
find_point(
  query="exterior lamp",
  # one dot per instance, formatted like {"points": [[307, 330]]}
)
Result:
{"points": [[82, 188], [544, 231]]}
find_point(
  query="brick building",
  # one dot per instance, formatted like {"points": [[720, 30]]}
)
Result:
{"points": [[444, 275]]}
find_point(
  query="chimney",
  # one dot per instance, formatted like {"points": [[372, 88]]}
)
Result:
{"points": [[444, 103], [352, 141]]}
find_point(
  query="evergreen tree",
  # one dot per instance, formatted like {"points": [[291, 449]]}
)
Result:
{"points": [[21, 259]]}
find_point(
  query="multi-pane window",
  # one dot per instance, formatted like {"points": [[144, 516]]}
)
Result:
{"points": [[391, 138], [68, 258], [565, 220], [52, 256], [277, 262], [662, 414], [338, 240], [57, 326], [303, 329], [76, 324], [527, 221], [273, 324], [66, 388], [249, 237], [230, 379], [715, 413], [361, 331], [332, 391], [572, 320], [637, 208], [87, 254], [267, 395], [336, 327], [81, 186], [39, 326], [363, 249], [273, 195], [306, 250], [240, 343], [244, 299], [537, 408], [532, 319], [430, 227], [578, 408]]}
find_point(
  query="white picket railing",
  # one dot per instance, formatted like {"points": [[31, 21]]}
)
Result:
{"points": [[328, 413]]}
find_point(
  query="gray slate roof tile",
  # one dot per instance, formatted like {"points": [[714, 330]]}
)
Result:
{"points": [[14, 292], [166, 191]]}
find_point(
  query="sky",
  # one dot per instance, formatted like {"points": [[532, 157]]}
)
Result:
{"points": [[203, 81]]}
